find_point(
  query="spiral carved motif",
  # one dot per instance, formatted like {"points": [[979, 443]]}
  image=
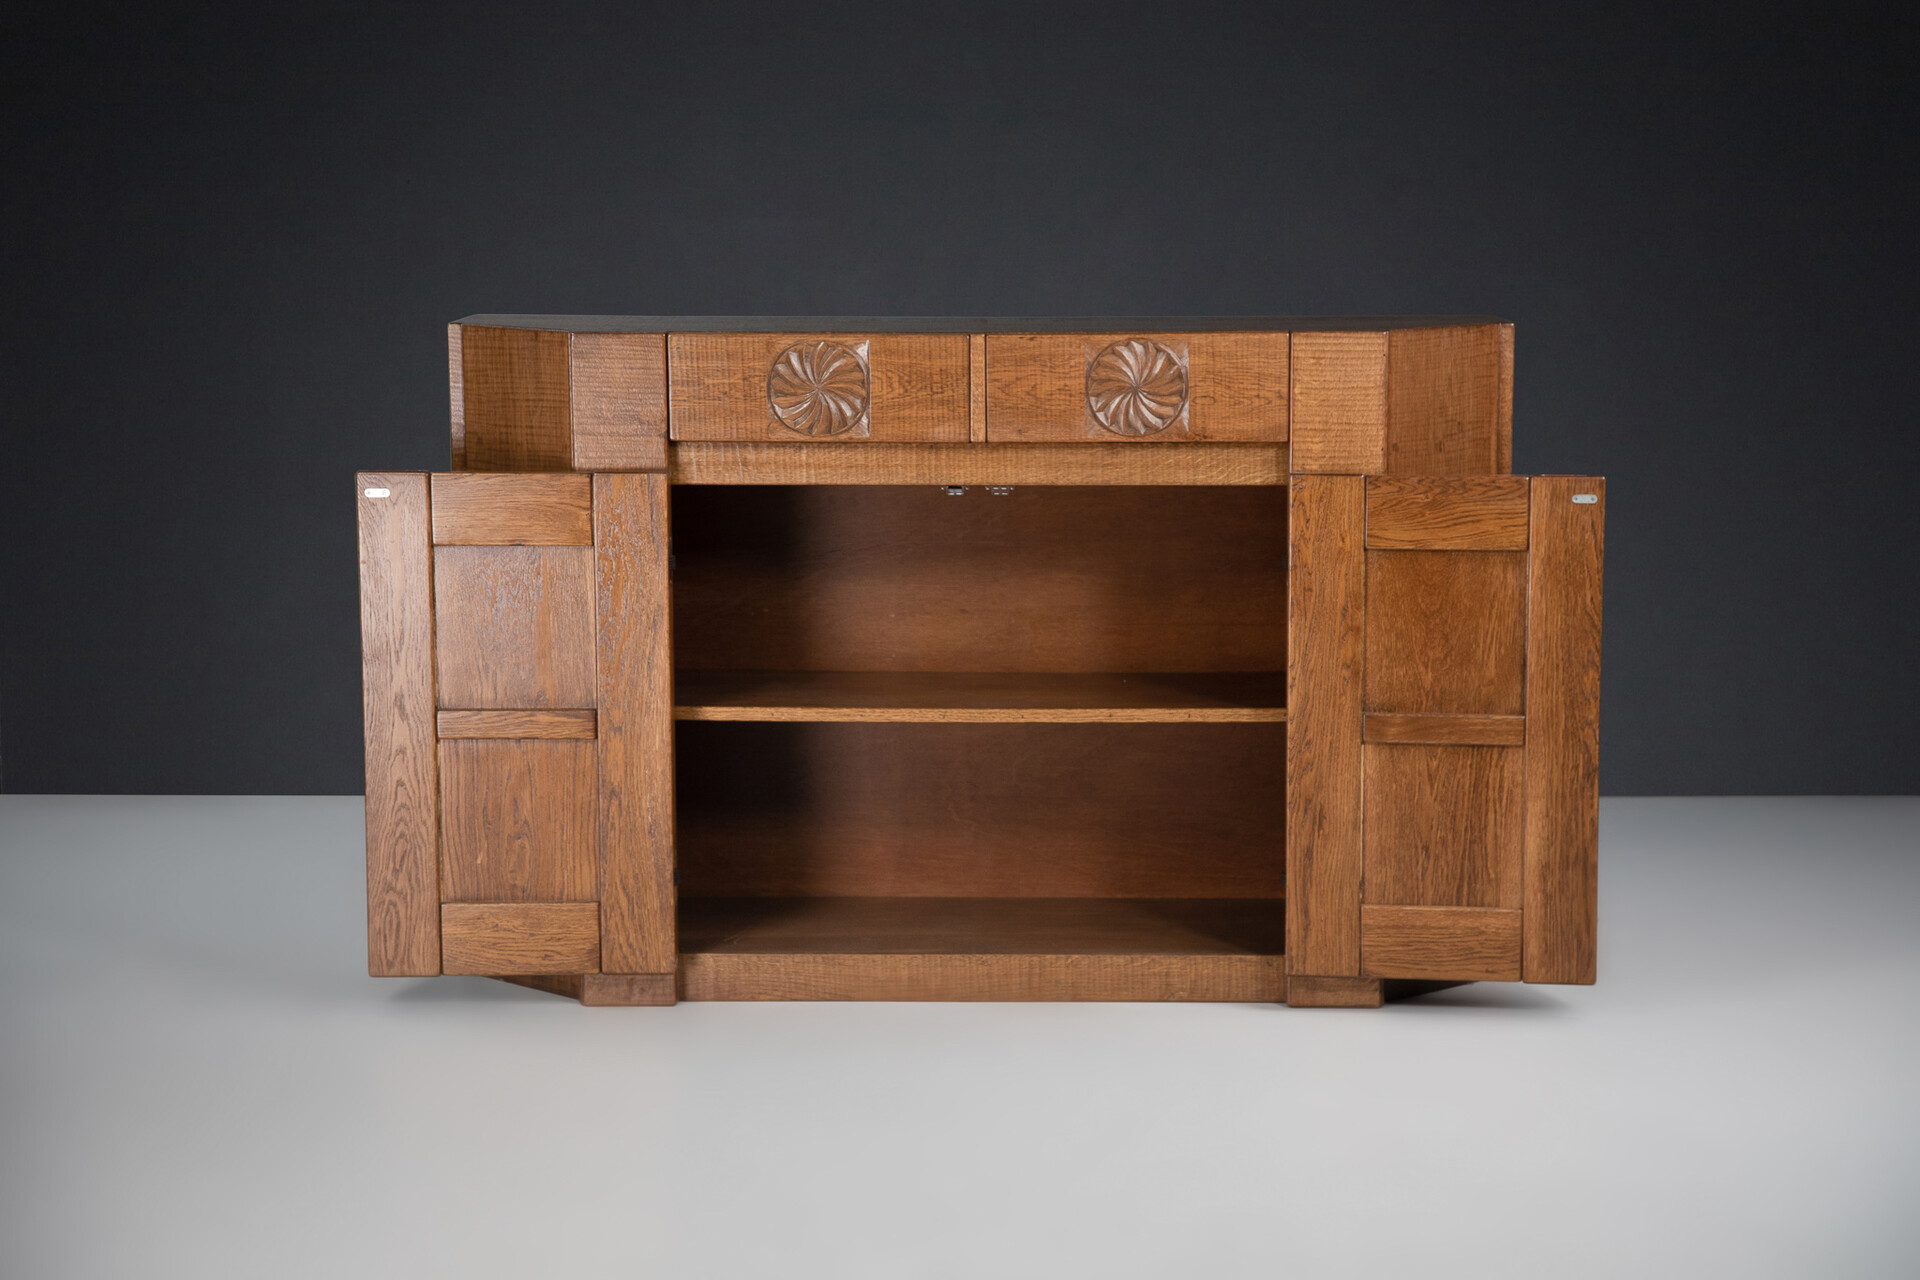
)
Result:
{"points": [[818, 388], [1136, 387]]}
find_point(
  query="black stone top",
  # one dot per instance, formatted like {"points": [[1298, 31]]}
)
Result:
{"points": [[966, 324]]}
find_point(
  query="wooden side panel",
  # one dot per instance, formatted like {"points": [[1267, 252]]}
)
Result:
{"points": [[1340, 403], [1458, 731], [1469, 513], [1444, 401], [396, 646], [517, 820], [577, 723], [1009, 464], [1444, 826], [1446, 631], [514, 627], [618, 397], [914, 386], [515, 383], [521, 937], [636, 820], [1230, 386], [1470, 944], [1327, 594], [472, 508], [1563, 729], [457, 397]]}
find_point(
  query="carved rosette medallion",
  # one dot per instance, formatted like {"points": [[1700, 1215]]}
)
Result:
{"points": [[1137, 387], [820, 388]]}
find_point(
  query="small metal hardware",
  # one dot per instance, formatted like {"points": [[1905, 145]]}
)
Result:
{"points": [[377, 493], [1586, 499], [953, 490], [999, 490]]}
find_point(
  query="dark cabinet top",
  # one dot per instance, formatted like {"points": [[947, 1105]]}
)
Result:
{"points": [[966, 324]]}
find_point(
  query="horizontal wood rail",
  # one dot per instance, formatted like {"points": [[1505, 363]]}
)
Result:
{"points": [[1445, 730], [981, 697], [860, 462], [578, 723]]}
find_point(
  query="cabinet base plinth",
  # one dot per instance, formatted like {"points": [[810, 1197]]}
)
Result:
{"points": [[601, 988]]}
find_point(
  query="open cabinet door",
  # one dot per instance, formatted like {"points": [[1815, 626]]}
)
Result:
{"points": [[1443, 731], [519, 729]]}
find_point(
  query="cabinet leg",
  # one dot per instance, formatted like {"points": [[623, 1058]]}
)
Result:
{"points": [[1305, 991], [600, 988]]}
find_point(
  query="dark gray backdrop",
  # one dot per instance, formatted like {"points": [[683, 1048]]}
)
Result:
{"points": [[233, 242]]}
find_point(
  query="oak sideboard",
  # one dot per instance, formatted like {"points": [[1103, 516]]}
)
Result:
{"points": [[852, 659]]}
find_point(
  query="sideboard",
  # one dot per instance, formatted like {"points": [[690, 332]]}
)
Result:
{"points": [[851, 659]]}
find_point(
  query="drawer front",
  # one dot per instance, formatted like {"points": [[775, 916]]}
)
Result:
{"points": [[819, 387], [1137, 387]]}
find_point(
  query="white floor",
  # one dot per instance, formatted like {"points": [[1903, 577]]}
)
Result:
{"points": [[197, 1080]]}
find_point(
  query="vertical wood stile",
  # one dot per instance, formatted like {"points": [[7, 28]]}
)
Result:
{"points": [[396, 651], [635, 724], [1326, 583], [1563, 730], [457, 397]]}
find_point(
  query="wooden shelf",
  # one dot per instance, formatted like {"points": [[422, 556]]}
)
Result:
{"points": [[981, 697], [982, 949]]}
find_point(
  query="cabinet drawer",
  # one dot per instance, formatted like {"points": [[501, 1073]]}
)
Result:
{"points": [[902, 387], [1108, 387]]}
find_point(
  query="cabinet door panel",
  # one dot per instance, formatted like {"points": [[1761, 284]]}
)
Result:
{"points": [[517, 820], [514, 626], [1464, 844]]}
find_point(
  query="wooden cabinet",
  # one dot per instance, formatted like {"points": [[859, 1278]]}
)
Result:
{"points": [[955, 691]]}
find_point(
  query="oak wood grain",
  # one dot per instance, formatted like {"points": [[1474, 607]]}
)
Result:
{"points": [[636, 748], [917, 386], [1503, 421], [1339, 406], [1454, 730], [696, 463], [1563, 738], [1247, 978], [1037, 387], [600, 988], [980, 697], [1326, 661], [517, 821], [1307, 991], [982, 926], [1444, 825], [617, 401], [1434, 513], [977, 388], [457, 398], [996, 810], [1446, 632], [515, 385], [1444, 401], [472, 508], [571, 723], [1473, 944], [493, 938], [396, 648], [1045, 579], [514, 627]]}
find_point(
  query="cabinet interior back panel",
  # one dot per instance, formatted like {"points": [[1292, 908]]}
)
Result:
{"points": [[981, 810], [1045, 579]]}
